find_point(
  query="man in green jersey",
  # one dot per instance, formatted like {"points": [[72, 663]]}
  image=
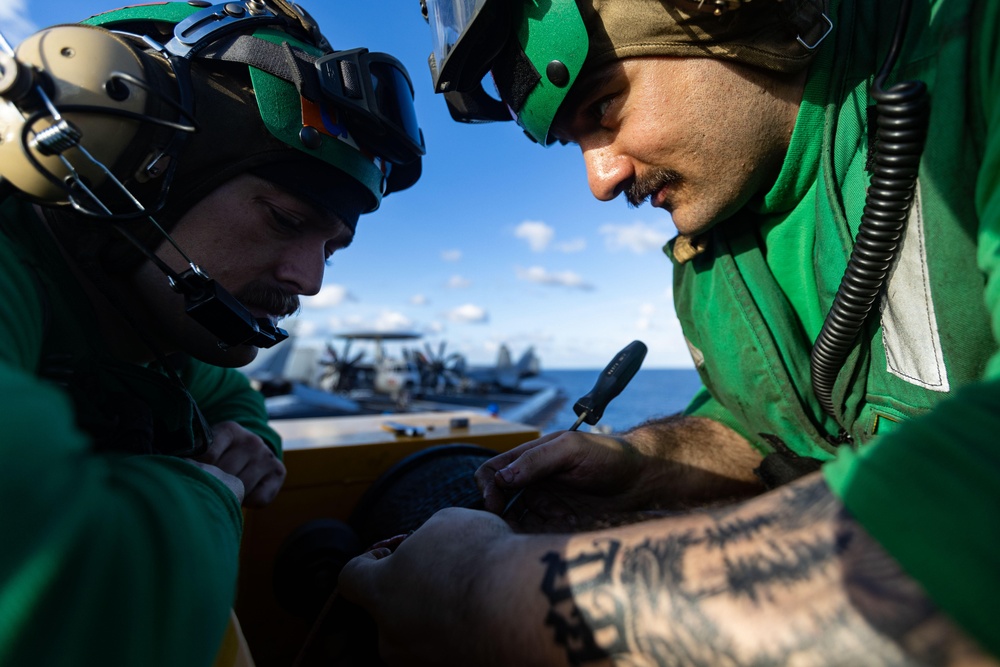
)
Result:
{"points": [[174, 177], [833, 170]]}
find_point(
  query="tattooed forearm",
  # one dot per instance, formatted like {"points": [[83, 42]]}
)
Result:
{"points": [[787, 577], [570, 629]]}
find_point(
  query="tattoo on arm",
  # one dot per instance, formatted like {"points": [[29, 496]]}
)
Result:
{"points": [[787, 577], [571, 629]]}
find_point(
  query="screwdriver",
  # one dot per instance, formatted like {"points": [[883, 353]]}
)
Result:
{"points": [[612, 380], [610, 383]]}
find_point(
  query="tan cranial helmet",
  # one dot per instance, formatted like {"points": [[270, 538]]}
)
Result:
{"points": [[773, 36], [536, 51]]}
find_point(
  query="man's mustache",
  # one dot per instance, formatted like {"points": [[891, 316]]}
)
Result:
{"points": [[649, 183], [273, 300]]}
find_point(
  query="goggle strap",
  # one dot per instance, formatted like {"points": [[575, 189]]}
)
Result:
{"points": [[515, 75], [281, 60], [350, 77]]}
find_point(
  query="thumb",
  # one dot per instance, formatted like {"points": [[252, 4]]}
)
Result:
{"points": [[357, 579]]}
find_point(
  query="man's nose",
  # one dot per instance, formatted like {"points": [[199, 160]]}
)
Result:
{"points": [[609, 171], [301, 269]]}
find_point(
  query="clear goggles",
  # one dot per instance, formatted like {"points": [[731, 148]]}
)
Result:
{"points": [[531, 76], [466, 36]]}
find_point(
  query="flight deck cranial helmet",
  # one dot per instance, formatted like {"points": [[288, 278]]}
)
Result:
{"points": [[138, 113], [536, 50]]}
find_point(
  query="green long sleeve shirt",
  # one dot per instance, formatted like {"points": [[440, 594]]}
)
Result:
{"points": [[108, 558], [919, 393]]}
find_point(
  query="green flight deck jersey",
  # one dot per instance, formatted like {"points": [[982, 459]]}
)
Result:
{"points": [[114, 553], [918, 399]]}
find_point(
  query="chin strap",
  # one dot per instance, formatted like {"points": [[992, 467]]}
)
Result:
{"points": [[221, 313], [211, 305]]}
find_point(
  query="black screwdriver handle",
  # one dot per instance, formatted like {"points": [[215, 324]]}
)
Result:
{"points": [[610, 383]]}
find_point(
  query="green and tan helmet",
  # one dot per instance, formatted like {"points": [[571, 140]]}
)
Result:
{"points": [[156, 78], [118, 125]]}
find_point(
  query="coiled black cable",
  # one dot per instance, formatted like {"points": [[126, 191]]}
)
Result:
{"points": [[902, 119]]}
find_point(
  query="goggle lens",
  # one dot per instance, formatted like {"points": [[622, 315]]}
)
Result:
{"points": [[394, 100]]}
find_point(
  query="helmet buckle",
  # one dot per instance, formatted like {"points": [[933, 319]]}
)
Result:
{"points": [[156, 167]]}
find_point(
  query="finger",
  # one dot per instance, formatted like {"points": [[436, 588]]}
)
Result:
{"points": [[357, 580], [484, 475], [222, 440], [534, 465], [264, 490], [496, 499], [240, 456], [538, 463], [390, 543], [252, 462]]}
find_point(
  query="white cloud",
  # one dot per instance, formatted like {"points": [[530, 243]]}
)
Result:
{"points": [[638, 237], [537, 234], [392, 321], [451, 255], [419, 300], [468, 314], [458, 282], [646, 313], [542, 276], [328, 297], [574, 245], [14, 21]]}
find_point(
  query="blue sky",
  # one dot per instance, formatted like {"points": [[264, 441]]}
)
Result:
{"points": [[500, 241]]}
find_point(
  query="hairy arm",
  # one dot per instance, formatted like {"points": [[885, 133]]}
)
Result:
{"points": [[664, 464], [786, 578], [705, 460]]}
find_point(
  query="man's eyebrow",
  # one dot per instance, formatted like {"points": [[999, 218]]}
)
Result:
{"points": [[346, 243], [584, 85], [320, 218]]}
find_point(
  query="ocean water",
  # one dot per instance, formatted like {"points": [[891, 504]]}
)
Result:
{"points": [[651, 393]]}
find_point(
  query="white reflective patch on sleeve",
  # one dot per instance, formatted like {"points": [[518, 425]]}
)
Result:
{"points": [[909, 325], [697, 356]]}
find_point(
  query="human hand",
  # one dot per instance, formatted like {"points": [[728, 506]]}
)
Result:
{"points": [[566, 475], [243, 454], [427, 595]]}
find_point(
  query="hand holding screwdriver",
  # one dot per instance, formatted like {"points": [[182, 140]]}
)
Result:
{"points": [[596, 465]]}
